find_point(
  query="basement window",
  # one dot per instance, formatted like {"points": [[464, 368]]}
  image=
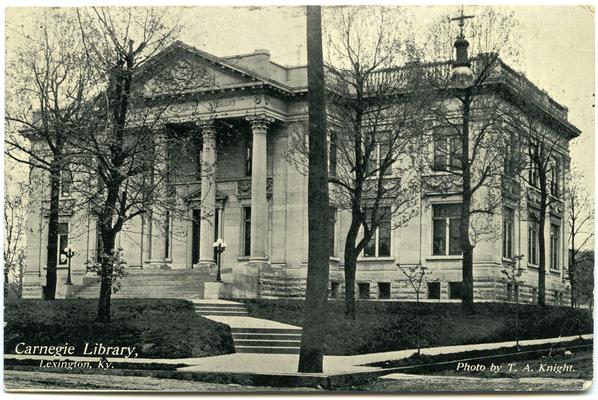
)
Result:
{"points": [[384, 290]]}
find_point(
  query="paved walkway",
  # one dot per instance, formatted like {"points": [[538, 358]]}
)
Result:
{"points": [[249, 322], [282, 364]]}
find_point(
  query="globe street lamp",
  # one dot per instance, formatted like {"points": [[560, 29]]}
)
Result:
{"points": [[461, 76], [69, 253], [219, 246]]}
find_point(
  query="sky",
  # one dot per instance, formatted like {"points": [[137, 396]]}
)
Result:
{"points": [[556, 50]]}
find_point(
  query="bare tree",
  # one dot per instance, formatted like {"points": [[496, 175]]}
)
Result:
{"points": [[468, 145], [512, 277], [417, 276], [125, 150], [16, 197], [47, 85], [536, 154], [377, 113], [581, 222]]}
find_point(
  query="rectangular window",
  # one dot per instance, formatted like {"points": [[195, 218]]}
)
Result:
{"points": [[379, 244], [532, 239], [447, 152], [380, 159], [167, 234], [195, 234], [557, 298], [532, 175], [555, 178], [335, 289], [385, 158], [507, 233], [364, 290], [246, 231], [384, 290], [455, 153], [534, 295], [332, 153], [434, 290], [445, 226], [217, 229], [554, 246], [440, 154], [66, 181], [98, 242], [63, 242], [332, 233], [455, 290]]}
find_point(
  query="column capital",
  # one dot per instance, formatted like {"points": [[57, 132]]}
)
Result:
{"points": [[207, 126], [259, 122]]}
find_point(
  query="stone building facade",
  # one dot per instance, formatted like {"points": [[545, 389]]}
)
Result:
{"points": [[256, 201]]}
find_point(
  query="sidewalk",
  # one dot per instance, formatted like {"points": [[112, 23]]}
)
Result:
{"points": [[286, 364]]}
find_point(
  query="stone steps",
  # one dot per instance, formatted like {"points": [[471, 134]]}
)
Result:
{"points": [[179, 284], [254, 340]]}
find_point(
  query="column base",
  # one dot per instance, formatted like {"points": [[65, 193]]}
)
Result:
{"points": [[155, 265]]}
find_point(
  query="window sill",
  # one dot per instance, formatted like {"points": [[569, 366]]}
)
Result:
{"points": [[374, 259], [442, 258], [335, 258], [534, 266], [508, 260], [243, 258], [554, 271]]}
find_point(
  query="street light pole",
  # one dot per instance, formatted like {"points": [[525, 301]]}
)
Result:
{"points": [[69, 253], [220, 246]]}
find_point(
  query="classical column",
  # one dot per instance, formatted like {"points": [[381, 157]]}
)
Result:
{"points": [[156, 232], [208, 193], [259, 202]]}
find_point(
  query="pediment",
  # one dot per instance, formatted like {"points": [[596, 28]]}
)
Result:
{"points": [[195, 196], [182, 69]]}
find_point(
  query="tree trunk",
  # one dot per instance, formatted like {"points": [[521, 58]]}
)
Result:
{"points": [[350, 268], [572, 266], [542, 251], [464, 221], [52, 248], [108, 241], [311, 355]]}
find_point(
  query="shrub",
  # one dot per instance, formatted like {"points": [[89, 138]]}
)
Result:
{"points": [[391, 326], [158, 328]]}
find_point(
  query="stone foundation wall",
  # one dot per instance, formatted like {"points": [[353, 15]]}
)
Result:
{"points": [[291, 283], [277, 281]]}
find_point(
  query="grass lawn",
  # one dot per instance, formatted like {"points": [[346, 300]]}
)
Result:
{"points": [[390, 326], [158, 328]]}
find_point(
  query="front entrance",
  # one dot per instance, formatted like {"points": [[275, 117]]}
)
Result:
{"points": [[196, 230]]}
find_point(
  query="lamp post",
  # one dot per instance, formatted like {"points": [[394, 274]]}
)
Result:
{"points": [[462, 81], [219, 246], [69, 253]]}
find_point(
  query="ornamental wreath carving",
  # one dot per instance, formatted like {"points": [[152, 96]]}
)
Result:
{"points": [[244, 188], [183, 75]]}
